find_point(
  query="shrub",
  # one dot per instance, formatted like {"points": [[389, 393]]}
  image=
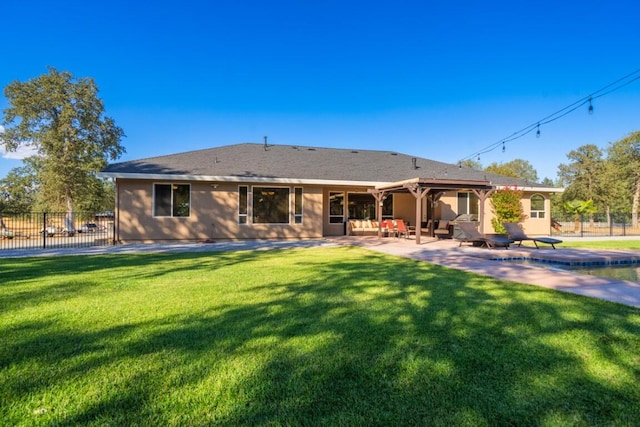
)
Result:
{"points": [[507, 207]]}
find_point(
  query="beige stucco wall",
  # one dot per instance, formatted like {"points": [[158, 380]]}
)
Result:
{"points": [[448, 209], [213, 215]]}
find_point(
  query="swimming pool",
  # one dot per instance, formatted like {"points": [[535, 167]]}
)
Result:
{"points": [[626, 270]]}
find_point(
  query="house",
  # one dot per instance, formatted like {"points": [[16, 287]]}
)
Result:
{"points": [[260, 191]]}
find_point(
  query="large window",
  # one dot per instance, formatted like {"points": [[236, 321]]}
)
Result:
{"points": [[270, 205], [537, 206], [364, 206], [468, 203], [172, 200], [336, 207], [387, 207]]}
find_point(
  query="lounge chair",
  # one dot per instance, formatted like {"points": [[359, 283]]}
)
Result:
{"points": [[470, 234], [517, 235]]}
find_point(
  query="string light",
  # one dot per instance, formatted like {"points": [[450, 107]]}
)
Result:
{"points": [[603, 91], [504, 148]]}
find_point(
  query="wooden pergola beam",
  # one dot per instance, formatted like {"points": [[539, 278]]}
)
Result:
{"points": [[419, 193]]}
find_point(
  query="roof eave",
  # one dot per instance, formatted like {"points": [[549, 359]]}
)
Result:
{"points": [[235, 179]]}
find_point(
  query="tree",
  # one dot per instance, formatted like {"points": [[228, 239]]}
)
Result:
{"points": [[624, 156], [507, 207], [471, 164], [516, 168], [577, 208], [18, 190], [548, 182], [63, 118], [580, 176], [583, 177]]}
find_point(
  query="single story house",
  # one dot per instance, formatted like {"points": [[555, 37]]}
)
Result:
{"points": [[261, 191]]}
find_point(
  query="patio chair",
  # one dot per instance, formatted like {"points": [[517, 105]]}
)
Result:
{"points": [[443, 231], [470, 234], [517, 235], [402, 229]]}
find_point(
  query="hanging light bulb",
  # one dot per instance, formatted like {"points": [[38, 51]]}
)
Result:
{"points": [[590, 107], [503, 147], [478, 157], [538, 131]]}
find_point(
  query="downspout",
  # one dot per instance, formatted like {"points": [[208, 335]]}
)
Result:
{"points": [[116, 234]]}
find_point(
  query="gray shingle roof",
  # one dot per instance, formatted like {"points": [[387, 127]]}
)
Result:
{"points": [[249, 160]]}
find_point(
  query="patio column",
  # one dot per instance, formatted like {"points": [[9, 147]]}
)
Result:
{"points": [[419, 193], [483, 195], [380, 196]]}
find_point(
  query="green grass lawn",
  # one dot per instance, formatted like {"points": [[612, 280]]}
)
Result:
{"points": [[333, 336], [603, 244]]}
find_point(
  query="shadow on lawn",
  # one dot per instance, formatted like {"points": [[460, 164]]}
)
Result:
{"points": [[362, 338]]}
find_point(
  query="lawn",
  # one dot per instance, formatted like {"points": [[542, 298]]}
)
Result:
{"points": [[331, 336], [603, 244]]}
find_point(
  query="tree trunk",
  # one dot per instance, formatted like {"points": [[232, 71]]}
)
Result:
{"points": [[576, 223], [70, 220], [635, 205]]}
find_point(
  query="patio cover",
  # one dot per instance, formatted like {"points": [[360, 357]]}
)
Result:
{"points": [[433, 189]]}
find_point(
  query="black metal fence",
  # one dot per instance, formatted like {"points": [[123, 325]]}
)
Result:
{"points": [[45, 230], [598, 224]]}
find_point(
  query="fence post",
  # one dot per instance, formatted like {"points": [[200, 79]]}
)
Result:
{"points": [[44, 230]]}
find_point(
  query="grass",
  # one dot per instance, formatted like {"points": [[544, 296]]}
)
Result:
{"points": [[603, 244], [333, 336]]}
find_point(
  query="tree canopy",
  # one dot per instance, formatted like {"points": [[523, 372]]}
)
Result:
{"points": [[63, 119], [517, 168]]}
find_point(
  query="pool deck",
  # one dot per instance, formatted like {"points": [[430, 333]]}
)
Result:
{"points": [[443, 252], [478, 260]]}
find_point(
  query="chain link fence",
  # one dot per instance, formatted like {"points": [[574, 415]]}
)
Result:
{"points": [[46, 230]]}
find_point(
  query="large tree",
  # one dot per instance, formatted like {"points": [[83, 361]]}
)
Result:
{"points": [[582, 176], [63, 119], [624, 156]]}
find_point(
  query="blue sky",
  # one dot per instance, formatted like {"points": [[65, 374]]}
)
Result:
{"points": [[440, 80]]}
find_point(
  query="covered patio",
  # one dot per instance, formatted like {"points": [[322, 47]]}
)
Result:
{"points": [[432, 190]]}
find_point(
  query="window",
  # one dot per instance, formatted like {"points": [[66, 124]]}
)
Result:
{"points": [[336, 207], [468, 203], [243, 204], [537, 206], [297, 205], [362, 206], [270, 205], [172, 200], [387, 207]]}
